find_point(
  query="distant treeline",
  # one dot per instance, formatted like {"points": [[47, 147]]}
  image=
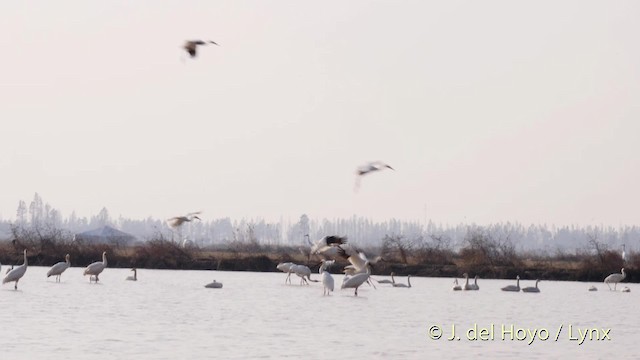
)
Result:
{"points": [[542, 238]]}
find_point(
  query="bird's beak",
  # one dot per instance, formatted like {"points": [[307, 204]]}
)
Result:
{"points": [[391, 168]]}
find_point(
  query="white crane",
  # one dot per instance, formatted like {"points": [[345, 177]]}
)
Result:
{"points": [[135, 275], [214, 285], [532, 289], [286, 267], [191, 46], [614, 278], [94, 269], [359, 261], [59, 268], [401, 285], [368, 168], [16, 274], [354, 282], [327, 279], [303, 272], [515, 287]]}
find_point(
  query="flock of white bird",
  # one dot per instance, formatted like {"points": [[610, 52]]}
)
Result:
{"points": [[356, 273]]}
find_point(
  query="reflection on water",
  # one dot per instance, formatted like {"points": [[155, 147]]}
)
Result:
{"points": [[171, 315]]}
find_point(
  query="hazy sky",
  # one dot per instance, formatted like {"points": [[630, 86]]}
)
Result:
{"points": [[490, 111]]}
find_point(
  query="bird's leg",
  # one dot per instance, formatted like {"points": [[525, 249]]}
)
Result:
{"points": [[614, 285], [15, 287], [356, 291]]}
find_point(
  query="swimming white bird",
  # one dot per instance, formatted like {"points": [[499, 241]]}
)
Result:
{"points": [[386, 281], [456, 287], [474, 286], [17, 273], [59, 268], [303, 272], [135, 275], [593, 288], [214, 285], [369, 168], [513, 287], [408, 285], [327, 279], [356, 280], [94, 269], [532, 289], [191, 46], [614, 278], [467, 286], [177, 221], [626, 289], [286, 267], [327, 245]]}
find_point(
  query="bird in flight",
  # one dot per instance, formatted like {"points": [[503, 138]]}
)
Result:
{"points": [[177, 221], [191, 46], [369, 168]]}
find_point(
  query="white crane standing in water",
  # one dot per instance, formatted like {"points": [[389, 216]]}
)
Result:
{"points": [[16, 274], [327, 279], [57, 269], [94, 269], [615, 278], [368, 168]]}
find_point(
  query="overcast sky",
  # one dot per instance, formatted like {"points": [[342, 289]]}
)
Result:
{"points": [[490, 111]]}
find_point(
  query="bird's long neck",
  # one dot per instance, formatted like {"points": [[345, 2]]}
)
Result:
{"points": [[466, 282], [135, 275], [104, 259], [537, 281], [409, 280], [25, 258], [475, 281]]}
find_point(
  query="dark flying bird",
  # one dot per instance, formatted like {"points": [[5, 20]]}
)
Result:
{"points": [[191, 46]]}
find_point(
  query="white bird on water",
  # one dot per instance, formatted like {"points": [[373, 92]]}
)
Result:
{"points": [[286, 267], [214, 285], [59, 268], [354, 282], [17, 273], [614, 278], [593, 288], [467, 286], [303, 272], [94, 269], [327, 279], [369, 168], [456, 286], [135, 275], [532, 289], [515, 287], [386, 281], [407, 285]]}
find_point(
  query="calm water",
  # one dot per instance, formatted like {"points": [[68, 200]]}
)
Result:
{"points": [[170, 315]]}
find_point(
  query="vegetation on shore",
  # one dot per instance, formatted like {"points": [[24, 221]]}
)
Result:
{"points": [[482, 255]]}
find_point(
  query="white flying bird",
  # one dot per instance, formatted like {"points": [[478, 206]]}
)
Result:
{"points": [[369, 168], [177, 221]]}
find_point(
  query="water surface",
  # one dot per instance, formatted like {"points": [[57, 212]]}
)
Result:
{"points": [[169, 314]]}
